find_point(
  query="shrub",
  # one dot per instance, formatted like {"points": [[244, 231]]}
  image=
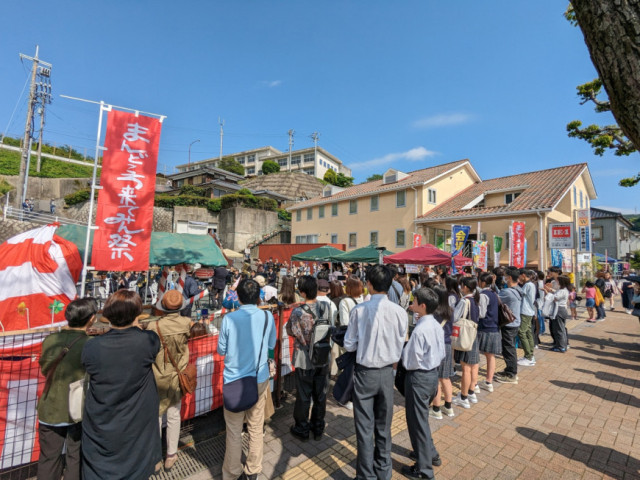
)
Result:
{"points": [[248, 201], [214, 205], [78, 197], [193, 191], [284, 215], [270, 166]]}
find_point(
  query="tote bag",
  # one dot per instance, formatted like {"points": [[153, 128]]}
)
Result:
{"points": [[464, 331]]}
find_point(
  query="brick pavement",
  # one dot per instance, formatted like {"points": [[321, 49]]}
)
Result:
{"points": [[573, 415]]}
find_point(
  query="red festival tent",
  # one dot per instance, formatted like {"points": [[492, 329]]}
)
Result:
{"points": [[427, 255]]}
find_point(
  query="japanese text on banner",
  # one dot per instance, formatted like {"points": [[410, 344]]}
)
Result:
{"points": [[125, 204], [518, 245]]}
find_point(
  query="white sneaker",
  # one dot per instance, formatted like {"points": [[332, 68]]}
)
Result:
{"points": [[460, 402], [434, 414], [533, 360], [472, 398], [486, 386], [476, 389], [525, 362], [448, 411]]}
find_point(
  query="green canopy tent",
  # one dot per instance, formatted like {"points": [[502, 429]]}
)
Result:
{"points": [[324, 253], [166, 248], [369, 254]]}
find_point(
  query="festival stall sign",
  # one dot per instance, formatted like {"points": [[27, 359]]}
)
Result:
{"points": [[517, 250], [38, 275], [480, 255], [125, 205], [459, 235], [561, 235], [417, 240]]}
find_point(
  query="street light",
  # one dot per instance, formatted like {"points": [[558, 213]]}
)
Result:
{"points": [[195, 141]]}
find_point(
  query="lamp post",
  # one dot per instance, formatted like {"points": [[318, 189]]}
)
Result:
{"points": [[195, 141]]}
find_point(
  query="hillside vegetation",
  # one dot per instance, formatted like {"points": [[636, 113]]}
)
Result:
{"points": [[10, 165]]}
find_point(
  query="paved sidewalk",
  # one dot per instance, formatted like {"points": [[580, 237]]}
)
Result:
{"points": [[573, 415]]}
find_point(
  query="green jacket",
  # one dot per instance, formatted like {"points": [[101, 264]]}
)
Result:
{"points": [[53, 407]]}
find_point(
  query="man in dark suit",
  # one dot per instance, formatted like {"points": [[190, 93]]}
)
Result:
{"points": [[219, 282]]}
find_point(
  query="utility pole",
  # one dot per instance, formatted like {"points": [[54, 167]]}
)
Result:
{"points": [[21, 193], [315, 136], [291, 132], [43, 97], [221, 123]]}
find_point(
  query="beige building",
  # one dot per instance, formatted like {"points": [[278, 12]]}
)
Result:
{"points": [[536, 198], [312, 161], [383, 212]]}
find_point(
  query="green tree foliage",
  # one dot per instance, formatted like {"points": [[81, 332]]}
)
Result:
{"points": [[284, 215], [244, 198], [375, 176], [339, 180], [4, 187], [80, 196], [270, 166], [231, 165], [193, 191], [170, 201], [10, 165]]}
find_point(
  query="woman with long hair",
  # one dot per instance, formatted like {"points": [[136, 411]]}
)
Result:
{"points": [[120, 435], [444, 315], [288, 294], [470, 360]]}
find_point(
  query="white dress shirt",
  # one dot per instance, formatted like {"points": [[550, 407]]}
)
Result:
{"points": [[425, 350], [377, 330]]}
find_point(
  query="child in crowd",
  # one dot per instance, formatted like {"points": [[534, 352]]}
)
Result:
{"points": [[573, 301], [589, 291]]}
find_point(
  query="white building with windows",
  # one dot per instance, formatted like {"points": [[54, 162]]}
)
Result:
{"points": [[312, 161]]}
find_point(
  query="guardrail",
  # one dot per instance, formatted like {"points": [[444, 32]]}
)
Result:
{"points": [[37, 217]]}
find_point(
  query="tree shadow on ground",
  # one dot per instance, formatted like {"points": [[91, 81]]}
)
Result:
{"points": [[604, 393], [607, 342], [606, 460], [632, 356], [626, 334], [609, 363], [611, 377]]}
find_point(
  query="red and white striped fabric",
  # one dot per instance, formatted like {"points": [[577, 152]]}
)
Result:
{"points": [[37, 269]]}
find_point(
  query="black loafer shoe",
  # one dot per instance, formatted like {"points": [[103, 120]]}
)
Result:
{"points": [[435, 461], [412, 472], [298, 435]]}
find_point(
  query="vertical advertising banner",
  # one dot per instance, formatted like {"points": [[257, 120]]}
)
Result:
{"points": [[497, 248], [518, 246], [417, 240], [125, 202], [481, 255], [459, 235]]}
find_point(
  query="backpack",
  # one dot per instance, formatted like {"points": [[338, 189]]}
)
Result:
{"points": [[319, 347]]}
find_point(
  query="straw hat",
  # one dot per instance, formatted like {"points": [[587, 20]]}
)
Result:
{"points": [[172, 301]]}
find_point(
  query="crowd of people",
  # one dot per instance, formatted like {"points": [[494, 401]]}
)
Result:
{"points": [[368, 327]]}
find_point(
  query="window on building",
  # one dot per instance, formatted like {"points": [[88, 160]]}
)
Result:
{"points": [[353, 240], [306, 238], [251, 158], [309, 213], [218, 193], [334, 238], [309, 158], [334, 209], [401, 198], [575, 195], [295, 160], [400, 238], [353, 207], [510, 197], [298, 215], [321, 211], [180, 183], [597, 233], [282, 162], [373, 238], [432, 195], [375, 202], [581, 200], [240, 160], [390, 178], [309, 171], [251, 170]]}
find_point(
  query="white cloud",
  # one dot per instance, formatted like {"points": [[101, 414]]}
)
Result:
{"points": [[442, 120], [624, 211], [271, 83], [414, 155]]}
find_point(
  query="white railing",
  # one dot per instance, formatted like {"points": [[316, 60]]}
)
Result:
{"points": [[9, 212]]}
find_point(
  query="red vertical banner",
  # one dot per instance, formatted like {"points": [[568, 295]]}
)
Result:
{"points": [[417, 240], [125, 202], [518, 245]]}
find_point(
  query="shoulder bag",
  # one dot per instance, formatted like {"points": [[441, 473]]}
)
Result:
{"points": [[464, 331], [188, 377], [242, 394]]}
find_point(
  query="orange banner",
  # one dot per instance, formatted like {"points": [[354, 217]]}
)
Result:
{"points": [[125, 203]]}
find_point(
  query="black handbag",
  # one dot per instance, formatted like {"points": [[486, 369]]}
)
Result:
{"points": [[242, 394]]}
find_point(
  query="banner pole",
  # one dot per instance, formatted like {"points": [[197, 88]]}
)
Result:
{"points": [[92, 197]]}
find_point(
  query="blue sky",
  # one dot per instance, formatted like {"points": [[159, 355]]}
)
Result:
{"points": [[405, 84]]}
